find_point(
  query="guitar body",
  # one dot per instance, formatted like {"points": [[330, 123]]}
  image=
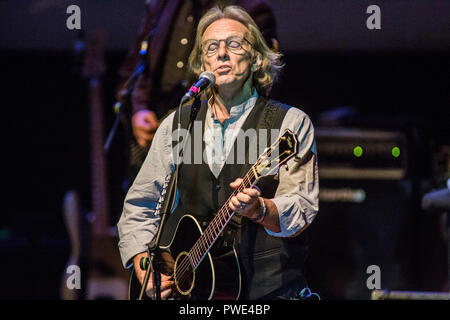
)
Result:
{"points": [[216, 277]]}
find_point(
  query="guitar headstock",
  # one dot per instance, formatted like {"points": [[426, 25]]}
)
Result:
{"points": [[277, 154]]}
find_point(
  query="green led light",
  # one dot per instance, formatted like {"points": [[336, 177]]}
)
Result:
{"points": [[395, 151], [358, 151]]}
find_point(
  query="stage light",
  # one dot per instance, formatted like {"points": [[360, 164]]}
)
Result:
{"points": [[357, 151], [395, 152]]}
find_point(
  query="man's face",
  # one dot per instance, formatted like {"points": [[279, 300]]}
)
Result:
{"points": [[231, 65]]}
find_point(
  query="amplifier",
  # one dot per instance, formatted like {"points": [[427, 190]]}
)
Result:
{"points": [[364, 219], [354, 153], [368, 216]]}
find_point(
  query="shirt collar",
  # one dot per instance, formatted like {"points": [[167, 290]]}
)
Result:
{"points": [[239, 109]]}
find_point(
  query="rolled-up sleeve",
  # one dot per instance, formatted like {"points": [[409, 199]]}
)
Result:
{"points": [[297, 195], [139, 221]]}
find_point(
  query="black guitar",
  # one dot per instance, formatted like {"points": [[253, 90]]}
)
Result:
{"points": [[198, 270]]}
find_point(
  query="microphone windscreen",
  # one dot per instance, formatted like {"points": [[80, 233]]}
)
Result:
{"points": [[210, 76]]}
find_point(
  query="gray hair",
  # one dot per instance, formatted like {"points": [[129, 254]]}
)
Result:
{"points": [[263, 78]]}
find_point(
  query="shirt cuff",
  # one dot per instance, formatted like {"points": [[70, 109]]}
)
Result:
{"points": [[128, 249], [290, 216]]}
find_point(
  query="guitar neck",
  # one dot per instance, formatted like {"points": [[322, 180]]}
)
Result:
{"points": [[100, 204], [218, 224], [272, 158]]}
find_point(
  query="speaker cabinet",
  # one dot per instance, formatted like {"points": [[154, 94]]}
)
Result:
{"points": [[362, 223]]}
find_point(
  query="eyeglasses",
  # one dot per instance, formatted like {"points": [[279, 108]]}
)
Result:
{"points": [[233, 43]]}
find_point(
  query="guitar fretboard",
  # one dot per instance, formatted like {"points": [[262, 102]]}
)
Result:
{"points": [[217, 225], [287, 148]]}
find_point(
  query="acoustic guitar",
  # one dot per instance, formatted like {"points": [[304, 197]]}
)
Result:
{"points": [[200, 269]]}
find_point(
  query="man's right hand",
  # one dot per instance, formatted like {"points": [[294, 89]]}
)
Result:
{"points": [[166, 281], [144, 123]]}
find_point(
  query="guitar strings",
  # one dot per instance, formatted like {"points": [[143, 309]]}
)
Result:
{"points": [[218, 219], [204, 240], [195, 252], [216, 225], [217, 222]]}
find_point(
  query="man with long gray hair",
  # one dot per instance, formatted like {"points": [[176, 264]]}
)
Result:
{"points": [[260, 226]]}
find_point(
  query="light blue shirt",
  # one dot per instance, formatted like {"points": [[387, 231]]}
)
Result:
{"points": [[219, 138], [296, 197]]}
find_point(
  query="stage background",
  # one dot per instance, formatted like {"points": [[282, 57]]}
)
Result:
{"points": [[395, 78]]}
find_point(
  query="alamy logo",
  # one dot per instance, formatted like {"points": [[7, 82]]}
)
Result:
{"points": [[252, 142], [374, 280], [373, 22], [74, 20], [74, 280]]}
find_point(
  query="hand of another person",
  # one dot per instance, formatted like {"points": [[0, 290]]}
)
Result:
{"points": [[144, 123]]}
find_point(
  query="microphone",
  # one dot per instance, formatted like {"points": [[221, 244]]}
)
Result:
{"points": [[207, 79]]}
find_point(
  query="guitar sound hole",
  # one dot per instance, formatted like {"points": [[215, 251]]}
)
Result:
{"points": [[184, 274]]}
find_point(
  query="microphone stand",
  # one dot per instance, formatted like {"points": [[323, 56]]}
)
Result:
{"points": [[127, 87], [166, 207]]}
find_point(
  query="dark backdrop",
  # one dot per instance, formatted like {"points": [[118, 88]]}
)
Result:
{"points": [[46, 144], [46, 130]]}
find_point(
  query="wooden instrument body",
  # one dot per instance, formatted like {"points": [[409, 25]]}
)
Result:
{"points": [[217, 276]]}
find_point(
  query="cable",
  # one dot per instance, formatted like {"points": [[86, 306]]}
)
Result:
{"points": [[306, 294]]}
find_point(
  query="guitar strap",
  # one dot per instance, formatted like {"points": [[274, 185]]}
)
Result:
{"points": [[271, 118]]}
